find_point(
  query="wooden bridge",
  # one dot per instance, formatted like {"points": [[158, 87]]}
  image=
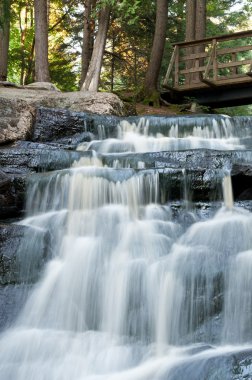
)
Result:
{"points": [[215, 71]]}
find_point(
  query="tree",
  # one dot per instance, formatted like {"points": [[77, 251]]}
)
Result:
{"points": [[151, 79], [88, 38], [200, 20], [41, 41], [195, 30], [190, 20], [91, 82], [4, 38], [195, 20]]}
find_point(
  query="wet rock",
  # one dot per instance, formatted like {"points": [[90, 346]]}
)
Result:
{"points": [[32, 157], [17, 164], [16, 249], [198, 159], [12, 193], [192, 175], [12, 299], [58, 124], [10, 239], [242, 181], [213, 365]]}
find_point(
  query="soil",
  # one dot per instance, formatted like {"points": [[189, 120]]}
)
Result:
{"points": [[143, 109]]}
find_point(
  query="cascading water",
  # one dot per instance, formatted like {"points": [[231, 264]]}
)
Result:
{"points": [[131, 292]]}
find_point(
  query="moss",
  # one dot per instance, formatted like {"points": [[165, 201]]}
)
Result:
{"points": [[152, 99]]}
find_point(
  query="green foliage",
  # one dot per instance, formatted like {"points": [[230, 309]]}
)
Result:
{"points": [[129, 39], [236, 111], [4, 12]]}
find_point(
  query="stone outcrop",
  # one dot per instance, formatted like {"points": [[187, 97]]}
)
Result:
{"points": [[17, 163], [18, 107]]}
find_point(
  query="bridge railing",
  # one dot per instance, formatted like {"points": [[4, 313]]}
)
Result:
{"points": [[213, 61]]}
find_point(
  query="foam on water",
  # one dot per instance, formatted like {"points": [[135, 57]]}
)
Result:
{"points": [[139, 137]]}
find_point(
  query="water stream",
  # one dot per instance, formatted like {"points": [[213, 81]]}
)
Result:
{"points": [[131, 292]]}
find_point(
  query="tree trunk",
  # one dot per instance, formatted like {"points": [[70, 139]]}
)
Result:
{"points": [[200, 23], [41, 42], [151, 79], [4, 39], [91, 82], [200, 31], [190, 34], [88, 38], [195, 30], [190, 20]]}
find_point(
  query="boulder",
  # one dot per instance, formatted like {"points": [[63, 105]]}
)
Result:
{"points": [[47, 86], [64, 125], [18, 106]]}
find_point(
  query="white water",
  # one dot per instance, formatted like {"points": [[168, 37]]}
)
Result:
{"points": [[129, 288], [133, 137]]}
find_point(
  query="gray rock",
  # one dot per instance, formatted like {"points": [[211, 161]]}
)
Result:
{"points": [[12, 193], [17, 108], [59, 124], [12, 299], [19, 262], [213, 365], [10, 238], [17, 164], [48, 86]]}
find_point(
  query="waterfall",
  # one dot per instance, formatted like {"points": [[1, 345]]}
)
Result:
{"points": [[132, 289]]}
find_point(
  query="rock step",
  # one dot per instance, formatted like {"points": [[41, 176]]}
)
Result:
{"points": [[54, 124], [201, 171], [21, 104]]}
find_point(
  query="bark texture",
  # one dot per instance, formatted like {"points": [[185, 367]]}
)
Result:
{"points": [[195, 30], [151, 79], [190, 20], [88, 38], [195, 20], [4, 39], [41, 42], [200, 22], [91, 82]]}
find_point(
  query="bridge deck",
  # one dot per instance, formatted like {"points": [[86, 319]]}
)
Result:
{"points": [[221, 62]]}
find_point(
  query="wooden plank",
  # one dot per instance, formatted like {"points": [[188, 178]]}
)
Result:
{"points": [[169, 70], [240, 49], [193, 70], [209, 82], [218, 52], [234, 59], [193, 56], [234, 64], [233, 81], [211, 59], [220, 66], [219, 83], [233, 76], [176, 74], [223, 37]]}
